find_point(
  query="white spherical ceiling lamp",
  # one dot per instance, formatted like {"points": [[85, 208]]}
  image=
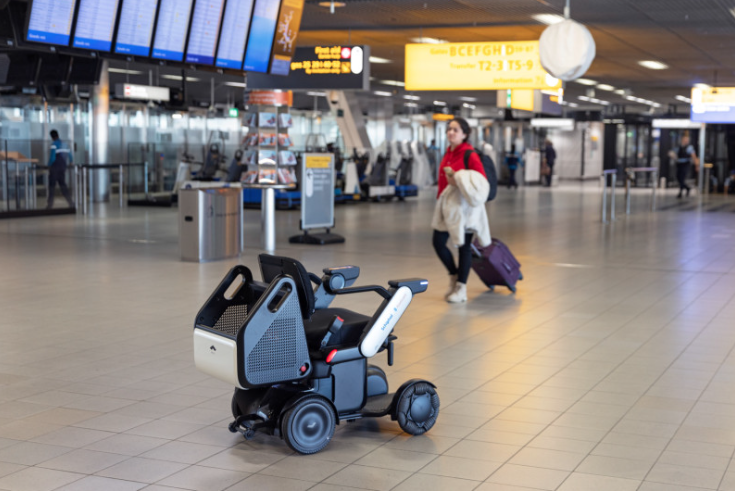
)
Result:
{"points": [[567, 49]]}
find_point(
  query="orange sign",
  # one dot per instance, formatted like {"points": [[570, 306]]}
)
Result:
{"points": [[271, 98]]}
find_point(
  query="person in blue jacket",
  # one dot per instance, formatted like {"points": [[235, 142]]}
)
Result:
{"points": [[60, 157], [512, 161]]}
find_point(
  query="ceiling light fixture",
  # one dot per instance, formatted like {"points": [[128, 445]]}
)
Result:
{"points": [[396, 83], [236, 84], [412, 98], [377, 59], [383, 93], [586, 81], [605, 87], [548, 19], [331, 5], [653, 65], [439, 103], [411, 104], [468, 99], [469, 106], [178, 77], [429, 40], [683, 99], [122, 70], [593, 100], [316, 94]]}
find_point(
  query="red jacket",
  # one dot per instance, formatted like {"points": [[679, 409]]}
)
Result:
{"points": [[455, 160]]}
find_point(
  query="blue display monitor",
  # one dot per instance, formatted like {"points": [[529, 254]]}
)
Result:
{"points": [[235, 27], [95, 24], [135, 29], [171, 29], [204, 30], [50, 22], [260, 38]]}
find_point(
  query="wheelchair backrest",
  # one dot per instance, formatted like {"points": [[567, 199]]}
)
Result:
{"points": [[271, 266]]}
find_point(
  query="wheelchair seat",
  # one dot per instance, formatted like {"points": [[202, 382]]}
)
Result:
{"points": [[316, 321], [348, 335]]}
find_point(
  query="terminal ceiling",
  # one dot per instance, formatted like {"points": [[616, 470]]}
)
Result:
{"points": [[695, 38]]}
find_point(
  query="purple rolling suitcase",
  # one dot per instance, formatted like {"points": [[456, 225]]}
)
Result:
{"points": [[496, 265]]}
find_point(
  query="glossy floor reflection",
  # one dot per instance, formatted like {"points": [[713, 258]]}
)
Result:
{"points": [[611, 368]]}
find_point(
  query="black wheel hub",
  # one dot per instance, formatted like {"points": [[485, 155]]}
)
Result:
{"points": [[311, 425], [421, 408]]}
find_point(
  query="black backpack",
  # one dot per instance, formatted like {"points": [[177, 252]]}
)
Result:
{"points": [[489, 166]]}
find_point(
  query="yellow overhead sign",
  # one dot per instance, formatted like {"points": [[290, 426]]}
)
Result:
{"points": [[713, 95], [476, 66]]}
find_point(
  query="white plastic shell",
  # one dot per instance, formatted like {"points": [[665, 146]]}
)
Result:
{"points": [[216, 356], [385, 323]]}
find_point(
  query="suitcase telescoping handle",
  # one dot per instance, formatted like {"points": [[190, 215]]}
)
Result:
{"points": [[476, 251]]}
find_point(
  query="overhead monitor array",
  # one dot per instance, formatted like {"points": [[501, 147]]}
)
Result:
{"points": [[249, 35]]}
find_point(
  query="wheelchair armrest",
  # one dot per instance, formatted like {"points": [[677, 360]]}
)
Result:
{"points": [[417, 285], [364, 288]]}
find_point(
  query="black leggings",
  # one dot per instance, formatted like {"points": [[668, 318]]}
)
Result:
{"points": [[465, 255]]}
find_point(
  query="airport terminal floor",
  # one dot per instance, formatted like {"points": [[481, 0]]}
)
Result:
{"points": [[611, 368]]}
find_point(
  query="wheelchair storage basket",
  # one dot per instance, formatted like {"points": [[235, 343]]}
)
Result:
{"points": [[299, 367]]}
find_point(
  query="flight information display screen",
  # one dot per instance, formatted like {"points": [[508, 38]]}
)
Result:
{"points": [[204, 29], [171, 29], [260, 38], [136, 27], [95, 24], [234, 34], [50, 21]]}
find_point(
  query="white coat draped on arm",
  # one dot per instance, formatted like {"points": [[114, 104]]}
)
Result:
{"points": [[461, 209]]}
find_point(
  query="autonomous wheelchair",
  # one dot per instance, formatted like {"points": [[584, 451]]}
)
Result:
{"points": [[299, 366]]}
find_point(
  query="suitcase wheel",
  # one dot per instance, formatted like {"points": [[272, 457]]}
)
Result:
{"points": [[520, 275], [512, 288]]}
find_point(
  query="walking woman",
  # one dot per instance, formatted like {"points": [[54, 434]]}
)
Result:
{"points": [[460, 209]]}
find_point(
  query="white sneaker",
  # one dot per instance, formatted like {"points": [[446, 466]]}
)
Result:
{"points": [[452, 285], [459, 294]]}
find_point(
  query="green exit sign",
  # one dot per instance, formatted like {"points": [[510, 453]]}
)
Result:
{"points": [[234, 112]]}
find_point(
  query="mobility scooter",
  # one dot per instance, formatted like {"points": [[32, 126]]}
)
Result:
{"points": [[299, 366]]}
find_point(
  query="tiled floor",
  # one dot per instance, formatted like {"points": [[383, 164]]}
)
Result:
{"points": [[611, 368]]}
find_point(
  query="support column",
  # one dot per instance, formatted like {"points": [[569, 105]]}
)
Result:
{"points": [[100, 179], [702, 146]]}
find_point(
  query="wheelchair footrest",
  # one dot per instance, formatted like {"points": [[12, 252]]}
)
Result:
{"points": [[378, 405]]}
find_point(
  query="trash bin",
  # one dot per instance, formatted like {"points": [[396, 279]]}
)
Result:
{"points": [[210, 223]]}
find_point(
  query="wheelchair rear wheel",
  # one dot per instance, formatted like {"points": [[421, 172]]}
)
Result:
{"points": [[308, 426], [418, 408]]}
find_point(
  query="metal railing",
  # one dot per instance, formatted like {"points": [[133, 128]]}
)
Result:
{"points": [[82, 178], [630, 177], [613, 173]]}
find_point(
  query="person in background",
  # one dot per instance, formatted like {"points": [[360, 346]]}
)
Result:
{"points": [[458, 133], [685, 156], [512, 160], [432, 151], [550, 159], [60, 157]]}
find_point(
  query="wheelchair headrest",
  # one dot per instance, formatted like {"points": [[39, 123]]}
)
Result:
{"points": [[271, 266]]}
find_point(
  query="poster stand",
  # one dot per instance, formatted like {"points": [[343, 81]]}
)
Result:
{"points": [[317, 200]]}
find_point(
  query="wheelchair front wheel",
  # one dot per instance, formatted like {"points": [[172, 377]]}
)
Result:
{"points": [[418, 408], [308, 426], [236, 412]]}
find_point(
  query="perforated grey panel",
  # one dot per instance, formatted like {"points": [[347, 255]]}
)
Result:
{"points": [[232, 319], [282, 349]]}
